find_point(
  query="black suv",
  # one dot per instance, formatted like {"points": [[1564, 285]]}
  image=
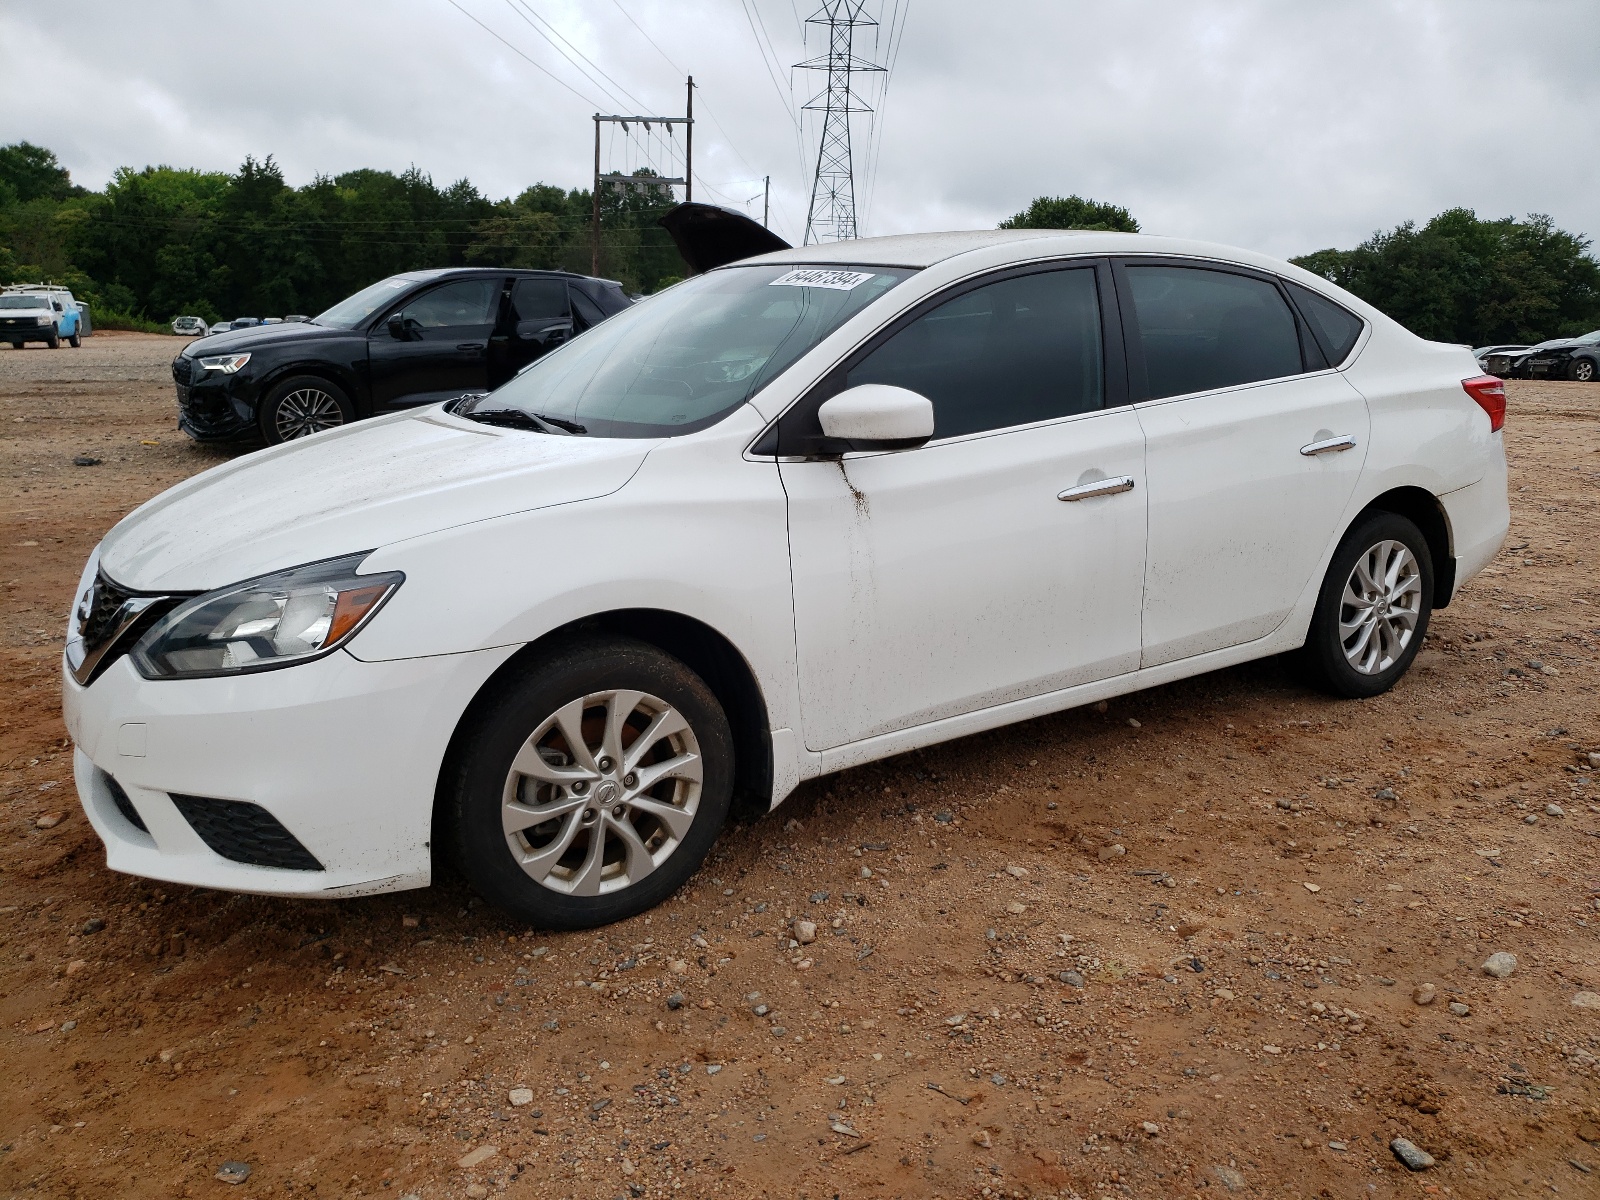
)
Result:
{"points": [[412, 339]]}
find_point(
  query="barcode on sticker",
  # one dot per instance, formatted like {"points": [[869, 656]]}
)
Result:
{"points": [[839, 281]]}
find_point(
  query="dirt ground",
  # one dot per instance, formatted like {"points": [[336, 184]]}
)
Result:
{"points": [[999, 1001]]}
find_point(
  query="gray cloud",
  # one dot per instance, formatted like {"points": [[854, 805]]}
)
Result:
{"points": [[1284, 127]]}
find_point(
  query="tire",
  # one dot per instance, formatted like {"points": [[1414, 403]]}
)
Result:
{"points": [[302, 405], [1367, 656], [1582, 370], [75, 340], [558, 874], [54, 341]]}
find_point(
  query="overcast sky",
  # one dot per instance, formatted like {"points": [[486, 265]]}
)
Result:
{"points": [[1280, 125]]}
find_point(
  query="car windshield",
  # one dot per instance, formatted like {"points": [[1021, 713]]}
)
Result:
{"points": [[1590, 339], [353, 310], [24, 302], [683, 360]]}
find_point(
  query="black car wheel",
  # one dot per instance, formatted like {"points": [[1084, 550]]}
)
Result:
{"points": [[75, 340], [1373, 610], [591, 787], [1582, 370], [303, 405], [54, 341]]}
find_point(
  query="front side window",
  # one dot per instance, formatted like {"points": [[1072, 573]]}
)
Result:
{"points": [[1009, 353], [465, 302], [687, 357], [1201, 329]]}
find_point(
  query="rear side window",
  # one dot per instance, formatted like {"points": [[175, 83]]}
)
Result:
{"points": [[540, 299], [1335, 327], [1009, 353], [1201, 329]]}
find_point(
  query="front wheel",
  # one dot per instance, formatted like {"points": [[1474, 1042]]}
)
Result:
{"points": [[54, 341], [1582, 370], [592, 787], [301, 406], [1373, 610]]}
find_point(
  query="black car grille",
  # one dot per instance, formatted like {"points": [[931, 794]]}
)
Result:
{"points": [[182, 370], [108, 620], [245, 833], [125, 805], [98, 620]]}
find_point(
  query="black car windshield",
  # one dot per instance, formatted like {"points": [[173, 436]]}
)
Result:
{"points": [[24, 302], [353, 310], [683, 360], [1589, 339]]}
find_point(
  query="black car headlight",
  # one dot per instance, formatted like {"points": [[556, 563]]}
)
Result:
{"points": [[272, 621], [228, 364]]}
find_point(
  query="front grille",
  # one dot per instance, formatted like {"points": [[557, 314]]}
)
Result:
{"points": [[101, 611], [245, 833], [108, 620], [182, 370], [124, 805]]}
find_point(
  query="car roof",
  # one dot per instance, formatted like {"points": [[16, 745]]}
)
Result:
{"points": [[925, 249], [439, 272]]}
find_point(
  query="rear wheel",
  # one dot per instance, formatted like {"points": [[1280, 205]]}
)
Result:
{"points": [[75, 340], [593, 787], [303, 405], [1582, 370], [1373, 610]]}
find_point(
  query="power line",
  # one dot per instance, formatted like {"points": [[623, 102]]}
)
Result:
{"points": [[761, 50], [632, 99], [531, 62]]}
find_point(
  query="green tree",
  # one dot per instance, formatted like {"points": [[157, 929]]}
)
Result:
{"points": [[1460, 278], [1072, 212], [29, 172]]}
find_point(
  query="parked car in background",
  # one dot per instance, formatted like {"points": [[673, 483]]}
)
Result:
{"points": [[244, 322], [1497, 360], [220, 327], [795, 514], [69, 303], [272, 320], [1576, 358], [296, 318], [38, 317], [189, 326], [413, 339]]}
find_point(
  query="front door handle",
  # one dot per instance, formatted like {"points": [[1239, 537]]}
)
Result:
{"points": [[470, 347], [1100, 487], [1329, 446]]}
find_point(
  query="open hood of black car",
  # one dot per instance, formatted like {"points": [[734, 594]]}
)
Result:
{"points": [[709, 237]]}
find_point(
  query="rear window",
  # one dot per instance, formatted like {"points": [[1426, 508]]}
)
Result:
{"points": [[1335, 327]]}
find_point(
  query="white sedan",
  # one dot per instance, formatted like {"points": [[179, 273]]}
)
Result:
{"points": [[801, 512]]}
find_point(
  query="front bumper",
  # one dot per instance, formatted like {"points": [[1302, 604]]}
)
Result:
{"points": [[213, 407], [343, 754], [25, 330]]}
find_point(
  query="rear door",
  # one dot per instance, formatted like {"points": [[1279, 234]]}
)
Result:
{"points": [[439, 348], [537, 319], [1253, 449]]}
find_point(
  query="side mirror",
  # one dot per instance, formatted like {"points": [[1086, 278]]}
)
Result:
{"points": [[397, 327], [876, 416], [56, 304]]}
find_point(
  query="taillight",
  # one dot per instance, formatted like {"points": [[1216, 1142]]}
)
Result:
{"points": [[1490, 393]]}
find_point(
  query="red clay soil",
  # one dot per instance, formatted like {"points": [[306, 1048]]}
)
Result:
{"points": [[998, 1001]]}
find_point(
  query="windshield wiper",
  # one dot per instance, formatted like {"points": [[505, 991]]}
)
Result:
{"points": [[563, 423], [515, 418]]}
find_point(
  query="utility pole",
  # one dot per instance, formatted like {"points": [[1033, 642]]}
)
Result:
{"points": [[832, 214], [766, 204], [641, 182]]}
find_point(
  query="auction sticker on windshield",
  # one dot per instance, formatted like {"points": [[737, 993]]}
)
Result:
{"points": [[839, 281]]}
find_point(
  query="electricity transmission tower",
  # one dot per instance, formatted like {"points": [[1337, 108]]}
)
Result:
{"points": [[832, 215]]}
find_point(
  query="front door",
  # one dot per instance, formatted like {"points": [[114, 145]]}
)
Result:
{"points": [[1252, 449], [982, 567], [435, 346]]}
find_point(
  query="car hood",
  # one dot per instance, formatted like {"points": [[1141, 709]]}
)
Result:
{"points": [[357, 488], [1558, 344], [235, 341]]}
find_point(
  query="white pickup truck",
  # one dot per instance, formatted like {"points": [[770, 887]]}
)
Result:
{"points": [[42, 313]]}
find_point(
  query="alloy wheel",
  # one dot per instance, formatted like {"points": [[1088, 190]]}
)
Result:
{"points": [[1380, 607], [305, 411], [602, 793]]}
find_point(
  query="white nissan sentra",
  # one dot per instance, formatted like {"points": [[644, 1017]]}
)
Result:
{"points": [[800, 512]]}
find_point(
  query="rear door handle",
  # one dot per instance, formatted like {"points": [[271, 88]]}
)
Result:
{"points": [[1330, 446], [1100, 487]]}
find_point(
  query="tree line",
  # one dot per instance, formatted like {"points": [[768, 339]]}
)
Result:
{"points": [[162, 241]]}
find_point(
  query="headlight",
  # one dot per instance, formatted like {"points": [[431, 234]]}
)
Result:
{"points": [[273, 621], [226, 363], [45, 320]]}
